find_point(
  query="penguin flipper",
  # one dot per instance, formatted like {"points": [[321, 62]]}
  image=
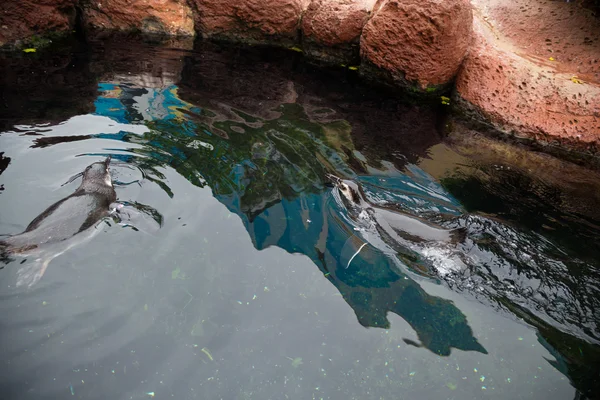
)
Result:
{"points": [[31, 272], [137, 216]]}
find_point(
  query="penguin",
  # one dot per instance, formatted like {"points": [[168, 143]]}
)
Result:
{"points": [[391, 231], [395, 223], [64, 224]]}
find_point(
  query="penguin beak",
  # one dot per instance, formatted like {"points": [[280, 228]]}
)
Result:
{"points": [[333, 180]]}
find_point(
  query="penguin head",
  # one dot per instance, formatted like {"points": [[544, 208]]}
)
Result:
{"points": [[98, 174], [349, 191]]}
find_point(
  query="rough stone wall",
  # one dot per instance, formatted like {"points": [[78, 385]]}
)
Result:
{"points": [[418, 41], [165, 17], [536, 80], [331, 29], [250, 21], [422, 42], [23, 19], [526, 70]]}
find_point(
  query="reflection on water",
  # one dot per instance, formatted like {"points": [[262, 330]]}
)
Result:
{"points": [[261, 130]]}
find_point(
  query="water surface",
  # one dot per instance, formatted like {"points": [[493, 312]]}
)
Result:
{"points": [[246, 277]]}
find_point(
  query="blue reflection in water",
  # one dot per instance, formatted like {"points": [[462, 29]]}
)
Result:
{"points": [[270, 173], [292, 209]]}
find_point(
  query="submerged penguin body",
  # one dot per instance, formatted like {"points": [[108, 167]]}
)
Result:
{"points": [[396, 224], [64, 224], [406, 238]]}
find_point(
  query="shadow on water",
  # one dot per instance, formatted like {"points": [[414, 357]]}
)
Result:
{"points": [[262, 128]]}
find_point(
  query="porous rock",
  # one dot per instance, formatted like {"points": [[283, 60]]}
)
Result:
{"points": [[165, 17], [21, 19], [250, 21], [530, 99], [417, 43], [331, 29]]}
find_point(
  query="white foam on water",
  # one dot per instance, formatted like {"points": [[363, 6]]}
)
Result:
{"points": [[443, 259]]}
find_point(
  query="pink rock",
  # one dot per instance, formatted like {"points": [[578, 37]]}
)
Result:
{"points": [[250, 20], [331, 28], [21, 19], [531, 99], [171, 17], [422, 42], [566, 31], [336, 22]]}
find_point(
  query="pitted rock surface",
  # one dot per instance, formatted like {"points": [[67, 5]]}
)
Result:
{"points": [[529, 96], [335, 22], [24, 18], [250, 20], [418, 41], [170, 17]]}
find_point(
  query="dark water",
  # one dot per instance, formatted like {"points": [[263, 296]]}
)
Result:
{"points": [[246, 277]]}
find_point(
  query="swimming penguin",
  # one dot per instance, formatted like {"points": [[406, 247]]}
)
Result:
{"points": [[394, 222], [64, 224], [390, 230]]}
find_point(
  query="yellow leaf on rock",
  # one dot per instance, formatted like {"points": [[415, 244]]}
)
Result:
{"points": [[30, 50], [575, 79]]}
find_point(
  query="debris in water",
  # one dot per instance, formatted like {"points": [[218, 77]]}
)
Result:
{"points": [[296, 362], [29, 50], [177, 274], [355, 254], [72, 390], [205, 351], [151, 394]]}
